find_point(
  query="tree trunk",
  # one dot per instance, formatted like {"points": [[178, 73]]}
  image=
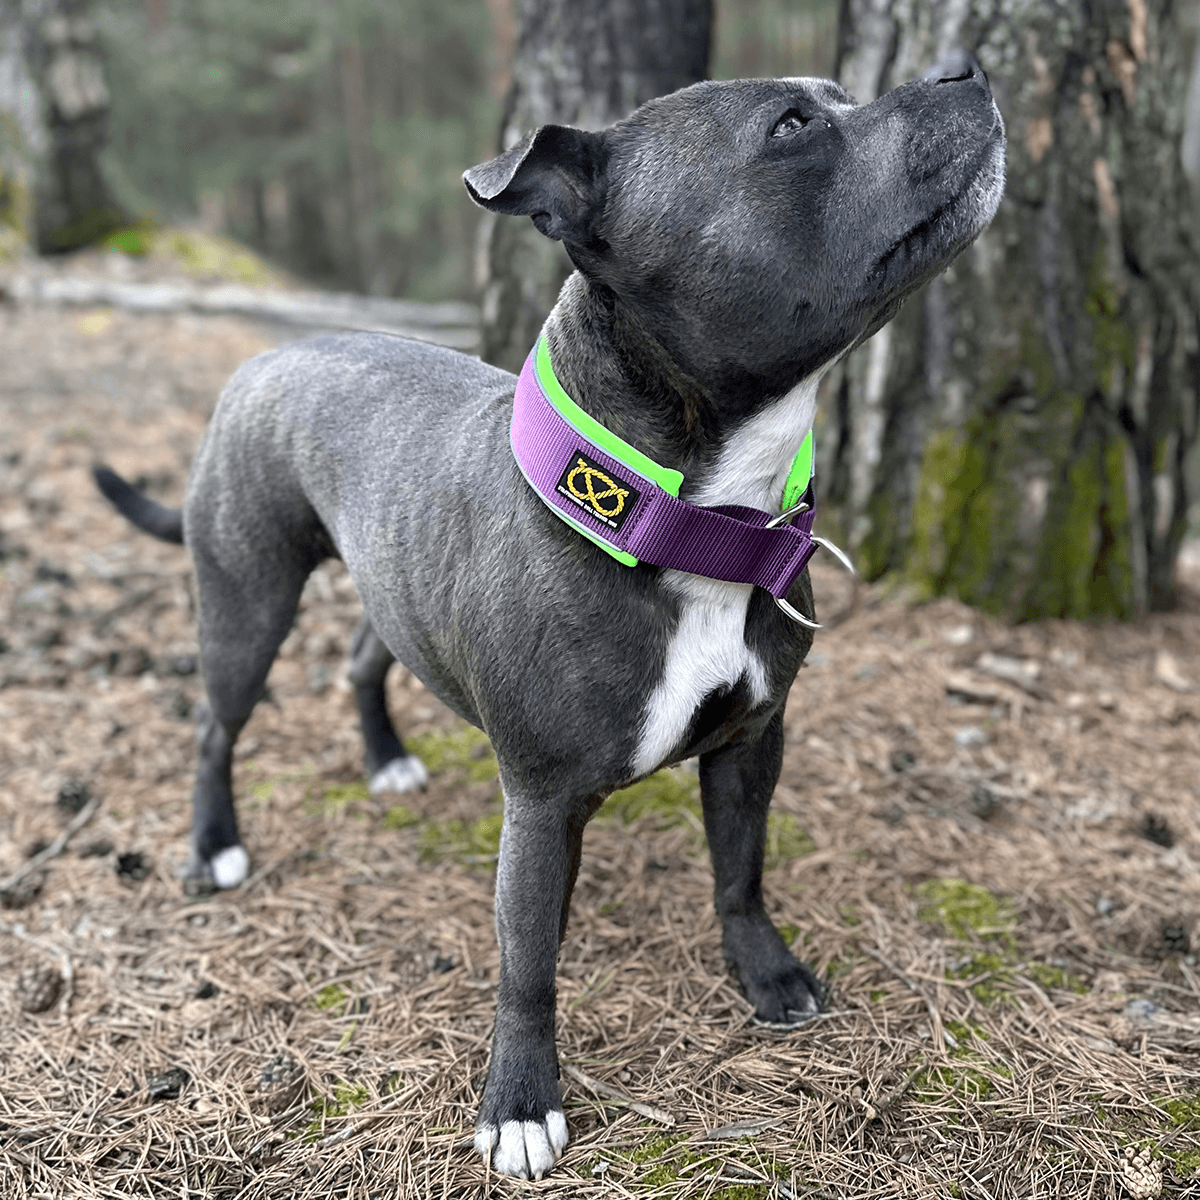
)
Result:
{"points": [[1017, 437], [585, 63], [53, 125]]}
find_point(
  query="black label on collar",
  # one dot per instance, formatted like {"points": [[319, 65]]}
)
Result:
{"points": [[587, 484]]}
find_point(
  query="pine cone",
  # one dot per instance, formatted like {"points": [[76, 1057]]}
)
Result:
{"points": [[1141, 1174], [281, 1082], [38, 989]]}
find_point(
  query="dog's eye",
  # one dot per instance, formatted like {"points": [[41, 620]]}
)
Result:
{"points": [[791, 122]]}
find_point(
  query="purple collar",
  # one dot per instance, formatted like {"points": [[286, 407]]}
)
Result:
{"points": [[630, 511]]}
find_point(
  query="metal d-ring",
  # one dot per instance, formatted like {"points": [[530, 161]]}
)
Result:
{"points": [[800, 507], [796, 616], [837, 553]]}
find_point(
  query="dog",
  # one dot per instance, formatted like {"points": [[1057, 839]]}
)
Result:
{"points": [[731, 241]]}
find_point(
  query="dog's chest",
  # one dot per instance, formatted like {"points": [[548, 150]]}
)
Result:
{"points": [[707, 651]]}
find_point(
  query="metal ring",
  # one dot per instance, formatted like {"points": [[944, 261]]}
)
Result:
{"points": [[837, 553], [796, 616], [802, 507]]}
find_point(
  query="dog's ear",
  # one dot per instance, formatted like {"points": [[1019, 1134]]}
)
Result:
{"points": [[554, 175]]}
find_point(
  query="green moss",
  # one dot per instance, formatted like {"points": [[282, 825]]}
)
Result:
{"points": [[463, 752], [87, 229], [654, 1149], [211, 256], [971, 1075], [342, 794], [400, 816], [848, 915], [1184, 1111], [135, 241], [1187, 1163], [994, 973], [1046, 975], [672, 796], [789, 933], [345, 1099], [964, 909], [785, 839], [332, 995], [472, 841]]}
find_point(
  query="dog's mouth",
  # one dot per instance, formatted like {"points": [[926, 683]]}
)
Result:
{"points": [[929, 245]]}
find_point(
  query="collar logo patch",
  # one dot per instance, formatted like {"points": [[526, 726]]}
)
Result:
{"points": [[586, 484]]}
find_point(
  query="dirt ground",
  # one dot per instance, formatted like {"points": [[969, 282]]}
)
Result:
{"points": [[987, 842]]}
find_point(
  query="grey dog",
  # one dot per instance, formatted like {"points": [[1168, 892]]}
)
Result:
{"points": [[732, 241]]}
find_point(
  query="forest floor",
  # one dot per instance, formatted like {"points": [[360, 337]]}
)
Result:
{"points": [[986, 841]]}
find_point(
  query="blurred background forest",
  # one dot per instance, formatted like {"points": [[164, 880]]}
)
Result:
{"points": [[1025, 436], [333, 137]]}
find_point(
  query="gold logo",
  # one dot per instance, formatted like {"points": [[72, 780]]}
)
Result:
{"points": [[588, 493]]}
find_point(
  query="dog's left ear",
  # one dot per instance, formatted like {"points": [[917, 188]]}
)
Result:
{"points": [[554, 175]]}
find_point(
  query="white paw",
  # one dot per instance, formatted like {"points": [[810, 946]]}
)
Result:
{"points": [[525, 1149], [230, 866], [405, 774]]}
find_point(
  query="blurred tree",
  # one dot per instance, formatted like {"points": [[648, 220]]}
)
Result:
{"points": [[585, 63], [53, 125], [330, 136], [1017, 437]]}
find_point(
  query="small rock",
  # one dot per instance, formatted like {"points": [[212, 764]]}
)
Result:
{"points": [[38, 989], [967, 736], [168, 1084], [867, 671], [184, 664], [134, 865], [442, 964], [1106, 906], [73, 796], [207, 990], [902, 760]]}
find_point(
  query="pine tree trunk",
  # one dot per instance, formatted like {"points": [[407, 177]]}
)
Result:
{"points": [[53, 125], [585, 63], [1017, 436]]}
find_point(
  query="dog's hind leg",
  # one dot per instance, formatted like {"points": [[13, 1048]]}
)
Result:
{"points": [[390, 768], [521, 1128], [244, 616], [736, 783]]}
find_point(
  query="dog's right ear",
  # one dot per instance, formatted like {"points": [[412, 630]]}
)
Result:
{"points": [[554, 175]]}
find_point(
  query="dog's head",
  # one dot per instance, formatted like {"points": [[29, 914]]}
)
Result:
{"points": [[757, 228]]}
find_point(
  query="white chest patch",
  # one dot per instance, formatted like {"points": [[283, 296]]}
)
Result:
{"points": [[708, 648]]}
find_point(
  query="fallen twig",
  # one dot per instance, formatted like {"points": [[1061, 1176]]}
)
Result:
{"points": [[608, 1092], [56, 847]]}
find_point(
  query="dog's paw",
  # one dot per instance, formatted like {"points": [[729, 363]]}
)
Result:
{"points": [[524, 1149], [405, 774], [790, 995], [226, 869]]}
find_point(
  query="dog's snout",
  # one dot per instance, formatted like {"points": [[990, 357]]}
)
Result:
{"points": [[956, 67]]}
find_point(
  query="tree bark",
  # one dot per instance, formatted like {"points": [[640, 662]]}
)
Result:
{"points": [[53, 124], [1017, 437], [585, 63]]}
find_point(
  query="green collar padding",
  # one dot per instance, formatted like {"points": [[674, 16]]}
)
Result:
{"points": [[670, 481]]}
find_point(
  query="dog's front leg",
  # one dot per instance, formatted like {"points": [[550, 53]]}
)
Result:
{"points": [[736, 783], [521, 1126]]}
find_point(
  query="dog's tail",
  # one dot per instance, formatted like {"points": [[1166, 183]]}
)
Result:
{"points": [[135, 506]]}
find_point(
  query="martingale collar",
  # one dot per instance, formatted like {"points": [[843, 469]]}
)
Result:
{"points": [[629, 505]]}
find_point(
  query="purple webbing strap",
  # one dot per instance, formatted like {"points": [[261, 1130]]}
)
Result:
{"points": [[727, 542]]}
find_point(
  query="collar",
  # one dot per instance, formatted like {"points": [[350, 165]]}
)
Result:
{"points": [[629, 505]]}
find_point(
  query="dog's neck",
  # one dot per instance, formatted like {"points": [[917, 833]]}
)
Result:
{"points": [[623, 378]]}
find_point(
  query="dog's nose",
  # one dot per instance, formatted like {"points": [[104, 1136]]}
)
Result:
{"points": [[956, 67]]}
